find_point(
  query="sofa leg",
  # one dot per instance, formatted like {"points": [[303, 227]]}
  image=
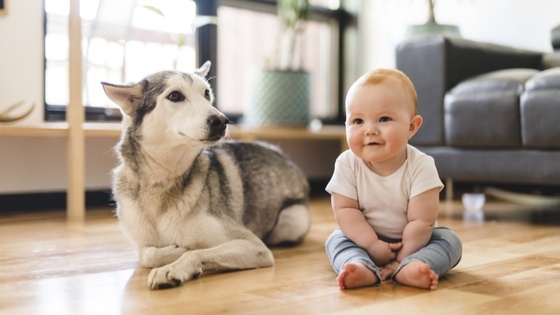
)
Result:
{"points": [[449, 189]]}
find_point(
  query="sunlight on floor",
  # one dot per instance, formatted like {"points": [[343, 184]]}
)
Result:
{"points": [[98, 293]]}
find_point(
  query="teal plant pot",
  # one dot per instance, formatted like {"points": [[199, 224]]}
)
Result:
{"points": [[279, 98]]}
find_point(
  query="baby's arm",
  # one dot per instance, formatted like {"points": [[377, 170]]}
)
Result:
{"points": [[422, 215], [354, 226]]}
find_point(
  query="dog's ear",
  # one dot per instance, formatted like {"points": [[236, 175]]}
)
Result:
{"points": [[204, 69], [126, 96]]}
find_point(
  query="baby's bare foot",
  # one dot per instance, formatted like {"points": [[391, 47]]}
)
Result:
{"points": [[355, 275], [388, 270], [417, 274]]}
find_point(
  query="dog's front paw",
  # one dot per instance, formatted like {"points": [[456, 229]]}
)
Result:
{"points": [[170, 276], [159, 279]]}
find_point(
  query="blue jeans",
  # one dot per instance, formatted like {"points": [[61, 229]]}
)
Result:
{"points": [[442, 253]]}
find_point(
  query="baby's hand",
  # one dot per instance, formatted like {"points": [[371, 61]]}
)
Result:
{"points": [[383, 253]]}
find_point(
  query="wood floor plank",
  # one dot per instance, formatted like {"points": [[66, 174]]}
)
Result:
{"points": [[438, 302], [510, 265]]}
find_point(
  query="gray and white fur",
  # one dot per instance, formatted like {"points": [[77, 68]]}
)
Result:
{"points": [[189, 200]]}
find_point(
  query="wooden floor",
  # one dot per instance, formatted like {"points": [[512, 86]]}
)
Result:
{"points": [[511, 265]]}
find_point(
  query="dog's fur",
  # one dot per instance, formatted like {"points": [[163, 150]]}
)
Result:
{"points": [[190, 201]]}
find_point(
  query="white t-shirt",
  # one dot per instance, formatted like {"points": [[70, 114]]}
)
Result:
{"points": [[384, 199]]}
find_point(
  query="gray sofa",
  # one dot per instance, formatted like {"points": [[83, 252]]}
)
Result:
{"points": [[491, 112]]}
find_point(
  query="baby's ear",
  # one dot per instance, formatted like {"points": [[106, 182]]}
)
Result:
{"points": [[415, 123]]}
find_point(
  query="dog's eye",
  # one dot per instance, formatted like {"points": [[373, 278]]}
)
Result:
{"points": [[207, 94], [176, 97]]}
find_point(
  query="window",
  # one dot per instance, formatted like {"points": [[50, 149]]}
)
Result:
{"points": [[247, 42], [123, 41], [127, 39]]}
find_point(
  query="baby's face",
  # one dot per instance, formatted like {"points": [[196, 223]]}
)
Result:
{"points": [[378, 122]]}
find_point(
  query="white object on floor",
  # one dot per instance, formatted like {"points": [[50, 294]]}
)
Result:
{"points": [[473, 204]]}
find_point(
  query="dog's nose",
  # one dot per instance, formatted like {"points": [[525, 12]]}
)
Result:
{"points": [[217, 123]]}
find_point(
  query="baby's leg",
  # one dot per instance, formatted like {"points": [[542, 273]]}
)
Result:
{"points": [[423, 268], [351, 262]]}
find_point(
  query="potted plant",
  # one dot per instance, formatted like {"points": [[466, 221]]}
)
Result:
{"points": [[432, 26], [282, 95]]}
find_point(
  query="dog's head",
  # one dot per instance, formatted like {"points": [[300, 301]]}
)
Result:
{"points": [[171, 106]]}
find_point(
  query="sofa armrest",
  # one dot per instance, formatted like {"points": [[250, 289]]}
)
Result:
{"points": [[551, 60], [437, 63]]}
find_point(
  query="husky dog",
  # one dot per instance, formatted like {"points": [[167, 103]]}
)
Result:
{"points": [[190, 201]]}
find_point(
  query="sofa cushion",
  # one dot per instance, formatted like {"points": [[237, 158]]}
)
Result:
{"points": [[540, 110], [501, 80], [484, 111], [515, 166]]}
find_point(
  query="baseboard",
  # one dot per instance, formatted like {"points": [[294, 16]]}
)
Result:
{"points": [[57, 200], [317, 187], [50, 201]]}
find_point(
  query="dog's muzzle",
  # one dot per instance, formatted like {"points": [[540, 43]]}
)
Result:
{"points": [[217, 126]]}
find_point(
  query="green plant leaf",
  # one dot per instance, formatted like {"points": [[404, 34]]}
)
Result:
{"points": [[154, 9]]}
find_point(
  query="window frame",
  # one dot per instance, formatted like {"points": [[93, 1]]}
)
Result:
{"points": [[206, 39]]}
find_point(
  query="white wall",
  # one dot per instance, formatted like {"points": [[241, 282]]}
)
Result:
{"points": [[21, 55], [520, 23], [39, 164]]}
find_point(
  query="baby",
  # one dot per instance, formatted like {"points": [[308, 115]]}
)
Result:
{"points": [[385, 192]]}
